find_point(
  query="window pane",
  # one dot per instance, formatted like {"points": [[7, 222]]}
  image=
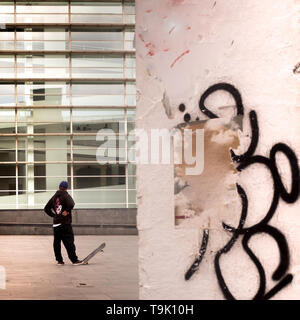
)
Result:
{"points": [[130, 61], [97, 115], [97, 169], [7, 7], [105, 155], [7, 127], [132, 196], [31, 73], [129, 8], [131, 169], [42, 7], [7, 100], [7, 73], [97, 61], [43, 115], [97, 45], [7, 89], [91, 73], [97, 89], [47, 61], [7, 143], [40, 100], [96, 18], [130, 18], [42, 45], [43, 128], [42, 18], [94, 7], [96, 34], [43, 94], [90, 196], [99, 182], [7, 169], [46, 183], [6, 45], [7, 155], [51, 169], [80, 142], [94, 127], [6, 18], [7, 184], [6, 35], [42, 34], [47, 142], [7, 115], [54, 88], [131, 114]]}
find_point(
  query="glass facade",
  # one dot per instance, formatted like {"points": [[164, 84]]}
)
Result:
{"points": [[67, 99]]}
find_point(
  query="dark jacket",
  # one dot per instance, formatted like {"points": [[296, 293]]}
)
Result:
{"points": [[60, 202]]}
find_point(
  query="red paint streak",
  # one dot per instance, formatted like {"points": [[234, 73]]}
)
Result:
{"points": [[148, 11], [184, 53], [171, 30]]}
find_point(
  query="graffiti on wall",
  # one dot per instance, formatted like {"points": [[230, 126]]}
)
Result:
{"points": [[280, 192]]}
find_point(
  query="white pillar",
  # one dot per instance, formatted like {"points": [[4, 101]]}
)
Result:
{"points": [[185, 47]]}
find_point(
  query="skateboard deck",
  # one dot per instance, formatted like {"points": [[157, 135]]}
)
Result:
{"points": [[90, 256]]}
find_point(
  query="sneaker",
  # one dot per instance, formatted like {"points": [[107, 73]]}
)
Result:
{"points": [[78, 262], [60, 263]]}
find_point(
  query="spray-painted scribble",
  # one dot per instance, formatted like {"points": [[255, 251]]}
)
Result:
{"points": [[195, 266], [279, 191], [296, 69]]}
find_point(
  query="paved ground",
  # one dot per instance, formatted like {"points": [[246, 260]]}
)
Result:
{"points": [[32, 273]]}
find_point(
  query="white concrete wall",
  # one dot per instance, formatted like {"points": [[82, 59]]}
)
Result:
{"points": [[184, 47]]}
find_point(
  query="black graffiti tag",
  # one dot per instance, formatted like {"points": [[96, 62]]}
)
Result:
{"points": [[279, 192]]}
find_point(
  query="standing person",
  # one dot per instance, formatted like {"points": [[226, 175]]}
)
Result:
{"points": [[60, 208]]}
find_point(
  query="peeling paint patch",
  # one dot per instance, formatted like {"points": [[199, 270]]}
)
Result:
{"points": [[167, 106], [197, 193]]}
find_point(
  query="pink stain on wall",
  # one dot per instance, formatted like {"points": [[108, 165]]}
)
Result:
{"points": [[150, 46], [179, 57], [148, 11]]}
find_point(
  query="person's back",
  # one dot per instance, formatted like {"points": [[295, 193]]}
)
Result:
{"points": [[59, 203], [60, 208]]}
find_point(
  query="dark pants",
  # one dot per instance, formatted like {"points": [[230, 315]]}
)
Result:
{"points": [[64, 233]]}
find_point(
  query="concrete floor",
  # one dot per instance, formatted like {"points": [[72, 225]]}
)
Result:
{"points": [[31, 270]]}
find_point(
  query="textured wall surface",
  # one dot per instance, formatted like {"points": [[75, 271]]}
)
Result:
{"points": [[244, 243]]}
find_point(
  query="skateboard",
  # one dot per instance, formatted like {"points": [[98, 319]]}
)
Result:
{"points": [[90, 256]]}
